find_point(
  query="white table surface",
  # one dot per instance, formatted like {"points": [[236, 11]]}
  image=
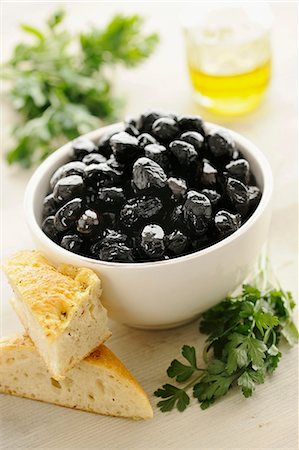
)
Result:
{"points": [[269, 419]]}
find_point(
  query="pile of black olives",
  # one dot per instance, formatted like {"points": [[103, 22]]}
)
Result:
{"points": [[162, 187]]}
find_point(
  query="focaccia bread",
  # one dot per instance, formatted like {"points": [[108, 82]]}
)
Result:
{"points": [[59, 307], [99, 384]]}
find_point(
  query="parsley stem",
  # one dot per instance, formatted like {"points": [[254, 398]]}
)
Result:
{"points": [[194, 381]]}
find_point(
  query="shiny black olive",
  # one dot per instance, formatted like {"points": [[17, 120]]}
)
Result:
{"points": [[146, 120], [176, 219], [220, 143], [152, 241], [184, 152], [140, 208], [48, 227], [208, 175], [165, 129], [82, 146], [104, 175], [71, 168], [226, 222], [176, 243], [147, 173], [111, 196], [239, 169], [72, 242], [157, 153], [145, 139], [191, 123], [197, 212], [254, 195], [67, 188], [49, 206], [131, 129], [94, 158], [117, 252], [104, 143], [110, 237], [125, 147], [212, 195], [238, 195], [178, 186], [194, 138], [88, 223], [68, 214]]}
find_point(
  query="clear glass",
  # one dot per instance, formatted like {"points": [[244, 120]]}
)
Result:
{"points": [[229, 57]]}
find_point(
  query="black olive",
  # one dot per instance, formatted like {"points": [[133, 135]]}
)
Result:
{"points": [[49, 228], [140, 208], [191, 123], [68, 214], [98, 175], [49, 206], [239, 169], [212, 195], [110, 237], [88, 223], [104, 143], [131, 129], [94, 158], [147, 173], [67, 188], [194, 138], [220, 143], [72, 242], [117, 252], [125, 147], [71, 168], [184, 152], [176, 243], [254, 195], [208, 175], [146, 120], [157, 153], [82, 146], [197, 212], [238, 195], [226, 222], [178, 186], [165, 129], [145, 139], [152, 241], [111, 196]]}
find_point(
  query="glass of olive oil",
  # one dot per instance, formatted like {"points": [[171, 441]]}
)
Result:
{"points": [[229, 57]]}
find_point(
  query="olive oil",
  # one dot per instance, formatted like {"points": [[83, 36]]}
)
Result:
{"points": [[231, 94], [228, 51]]}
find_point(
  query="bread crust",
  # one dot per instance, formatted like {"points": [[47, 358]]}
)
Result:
{"points": [[102, 358]]}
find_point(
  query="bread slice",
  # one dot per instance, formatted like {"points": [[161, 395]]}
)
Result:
{"points": [[59, 307], [99, 384]]}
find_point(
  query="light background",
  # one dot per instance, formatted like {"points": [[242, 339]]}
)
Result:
{"points": [[269, 419]]}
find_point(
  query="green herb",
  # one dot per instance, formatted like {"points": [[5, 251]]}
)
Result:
{"points": [[241, 349], [59, 85]]}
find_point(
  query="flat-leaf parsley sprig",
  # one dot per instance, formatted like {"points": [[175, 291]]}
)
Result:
{"points": [[244, 332]]}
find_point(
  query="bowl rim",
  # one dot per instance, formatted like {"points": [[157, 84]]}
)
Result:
{"points": [[258, 156]]}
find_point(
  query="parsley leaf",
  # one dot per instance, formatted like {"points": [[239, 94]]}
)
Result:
{"points": [[180, 371], [58, 81], [175, 398], [241, 347]]}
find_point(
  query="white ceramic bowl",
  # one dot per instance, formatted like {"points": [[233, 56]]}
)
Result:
{"points": [[164, 294]]}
